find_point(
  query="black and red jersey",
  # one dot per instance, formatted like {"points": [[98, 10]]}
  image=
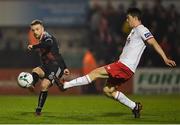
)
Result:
{"points": [[48, 49]]}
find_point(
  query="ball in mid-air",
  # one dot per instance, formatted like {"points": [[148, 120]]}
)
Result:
{"points": [[25, 79]]}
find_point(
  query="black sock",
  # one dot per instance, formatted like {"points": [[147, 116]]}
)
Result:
{"points": [[42, 99], [35, 78]]}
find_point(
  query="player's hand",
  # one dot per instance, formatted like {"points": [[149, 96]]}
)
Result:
{"points": [[30, 47], [66, 72], [170, 63]]}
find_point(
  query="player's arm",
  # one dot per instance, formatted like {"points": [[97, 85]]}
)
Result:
{"points": [[160, 51], [63, 65], [46, 44]]}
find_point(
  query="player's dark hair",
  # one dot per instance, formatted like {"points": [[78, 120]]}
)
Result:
{"points": [[35, 22], [134, 12]]}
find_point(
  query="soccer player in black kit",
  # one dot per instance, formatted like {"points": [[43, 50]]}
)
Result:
{"points": [[52, 64]]}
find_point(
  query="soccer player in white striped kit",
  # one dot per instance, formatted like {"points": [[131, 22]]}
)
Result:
{"points": [[122, 70]]}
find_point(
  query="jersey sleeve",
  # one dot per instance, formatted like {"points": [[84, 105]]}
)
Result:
{"points": [[62, 62], [145, 33]]}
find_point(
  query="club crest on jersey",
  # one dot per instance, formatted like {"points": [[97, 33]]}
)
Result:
{"points": [[51, 76], [147, 34], [128, 40]]}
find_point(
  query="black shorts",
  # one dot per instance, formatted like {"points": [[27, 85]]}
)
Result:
{"points": [[52, 72]]}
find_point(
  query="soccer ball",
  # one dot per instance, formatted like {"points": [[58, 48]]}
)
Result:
{"points": [[25, 79]]}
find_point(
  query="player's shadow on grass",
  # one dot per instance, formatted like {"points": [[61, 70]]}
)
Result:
{"points": [[26, 113], [44, 114], [76, 117], [79, 117], [84, 118], [114, 114]]}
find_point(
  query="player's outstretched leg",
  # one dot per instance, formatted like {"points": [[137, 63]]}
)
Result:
{"points": [[84, 80], [42, 98]]}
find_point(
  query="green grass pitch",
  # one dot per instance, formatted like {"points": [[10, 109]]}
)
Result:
{"points": [[89, 109]]}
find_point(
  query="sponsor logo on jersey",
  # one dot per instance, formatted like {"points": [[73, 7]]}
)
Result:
{"points": [[147, 35]]}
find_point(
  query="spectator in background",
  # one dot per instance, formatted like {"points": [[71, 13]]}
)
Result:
{"points": [[89, 63], [112, 27], [146, 15], [166, 46], [120, 18], [1, 35]]}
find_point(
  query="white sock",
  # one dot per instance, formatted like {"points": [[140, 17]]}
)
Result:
{"points": [[125, 100], [84, 80]]}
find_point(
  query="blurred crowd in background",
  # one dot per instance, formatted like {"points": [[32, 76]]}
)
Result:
{"points": [[104, 37], [109, 29]]}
